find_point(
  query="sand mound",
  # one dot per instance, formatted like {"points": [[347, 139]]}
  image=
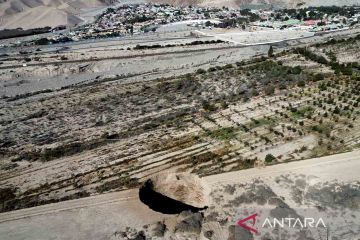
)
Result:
{"points": [[175, 192]]}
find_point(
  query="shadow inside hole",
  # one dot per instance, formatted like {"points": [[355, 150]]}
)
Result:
{"points": [[161, 203]]}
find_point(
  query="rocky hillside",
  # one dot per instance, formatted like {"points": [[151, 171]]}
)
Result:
{"points": [[40, 13]]}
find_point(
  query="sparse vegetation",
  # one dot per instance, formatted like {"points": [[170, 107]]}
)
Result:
{"points": [[223, 134], [217, 119], [269, 158]]}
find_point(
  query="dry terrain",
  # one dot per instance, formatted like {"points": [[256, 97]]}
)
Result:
{"points": [[325, 187], [84, 124], [112, 133]]}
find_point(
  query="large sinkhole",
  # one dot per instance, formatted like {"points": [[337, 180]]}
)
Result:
{"points": [[173, 193]]}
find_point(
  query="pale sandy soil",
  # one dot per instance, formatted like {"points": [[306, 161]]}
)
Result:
{"points": [[101, 217], [111, 135], [260, 36], [34, 78], [164, 63]]}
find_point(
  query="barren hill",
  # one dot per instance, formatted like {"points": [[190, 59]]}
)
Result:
{"points": [[41, 13]]}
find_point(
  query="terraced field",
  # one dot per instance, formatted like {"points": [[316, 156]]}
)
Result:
{"points": [[111, 135]]}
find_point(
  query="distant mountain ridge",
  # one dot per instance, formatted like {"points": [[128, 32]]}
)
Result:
{"points": [[40, 13]]}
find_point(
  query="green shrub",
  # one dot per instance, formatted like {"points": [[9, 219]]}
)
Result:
{"points": [[271, 51], [269, 158], [200, 71], [301, 83], [223, 133], [228, 66], [319, 77], [269, 90], [208, 106]]}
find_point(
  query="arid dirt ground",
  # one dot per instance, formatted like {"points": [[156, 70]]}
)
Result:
{"points": [[326, 187], [212, 115]]}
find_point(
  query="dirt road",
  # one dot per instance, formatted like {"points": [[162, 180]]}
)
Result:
{"points": [[344, 167], [99, 217]]}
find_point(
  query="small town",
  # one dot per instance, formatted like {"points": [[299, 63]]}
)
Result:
{"points": [[135, 19]]}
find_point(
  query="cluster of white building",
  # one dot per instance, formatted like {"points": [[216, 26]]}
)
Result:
{"points": [[327, 23], [137, 18]]}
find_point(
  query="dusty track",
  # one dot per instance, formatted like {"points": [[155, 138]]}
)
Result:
{"points": [[343, 167], [340, 166], [70, 205], [290, 41], [121, 57]]}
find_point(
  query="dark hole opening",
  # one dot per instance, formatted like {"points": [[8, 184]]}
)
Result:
{"points": [[161, 203]]}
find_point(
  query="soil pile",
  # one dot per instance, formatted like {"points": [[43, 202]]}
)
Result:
{"points": [[175, 192]]}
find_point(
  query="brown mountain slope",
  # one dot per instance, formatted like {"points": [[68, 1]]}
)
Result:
{"points": [[41, 13]]}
